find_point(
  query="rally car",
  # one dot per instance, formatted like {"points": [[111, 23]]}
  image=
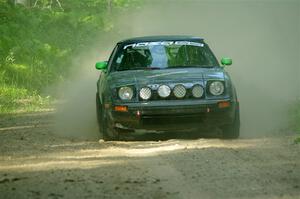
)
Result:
{"points": [[165, 83]]}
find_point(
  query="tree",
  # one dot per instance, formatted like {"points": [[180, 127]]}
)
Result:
{"points": [[48, 3]]}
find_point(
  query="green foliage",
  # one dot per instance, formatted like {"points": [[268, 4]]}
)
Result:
{"points": [[38, 42], [17, 99], [297, 116], [295, 119]]}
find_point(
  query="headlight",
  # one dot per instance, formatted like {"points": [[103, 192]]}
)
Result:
{"points": [[164, 91], [125, 93], [216, 88], [197, 91], [179, 91], [145, 93]]}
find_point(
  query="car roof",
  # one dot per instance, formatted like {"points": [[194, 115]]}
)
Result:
{"points": [[162, 38]]}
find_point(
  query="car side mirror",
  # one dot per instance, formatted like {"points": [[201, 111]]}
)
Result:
{"points": [[101, 65], [225, 61]]}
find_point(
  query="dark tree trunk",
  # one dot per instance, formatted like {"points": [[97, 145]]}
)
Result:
{"points": [[109, 6]]}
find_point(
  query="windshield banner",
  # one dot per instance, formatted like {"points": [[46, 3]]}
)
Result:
{"points": [[163, 43]]}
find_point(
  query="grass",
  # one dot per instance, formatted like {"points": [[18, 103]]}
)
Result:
{"points": [[16, 100], [295, 119]]}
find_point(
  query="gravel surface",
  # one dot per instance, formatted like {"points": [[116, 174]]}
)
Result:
{"points": [[36, 163]]}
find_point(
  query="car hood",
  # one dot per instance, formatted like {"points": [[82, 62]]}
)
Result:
{"points": [[165, 75]]}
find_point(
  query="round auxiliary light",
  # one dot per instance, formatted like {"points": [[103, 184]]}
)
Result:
{"points": [[216, 88], [145, 93], [164, 91], [179, 91], [197, 91], [125, 93]]}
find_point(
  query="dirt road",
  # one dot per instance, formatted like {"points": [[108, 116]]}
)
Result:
{"points": [[34, 163]]}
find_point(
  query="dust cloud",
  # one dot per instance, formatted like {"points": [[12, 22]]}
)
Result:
{"points": [[262, 37], [76, 110]]}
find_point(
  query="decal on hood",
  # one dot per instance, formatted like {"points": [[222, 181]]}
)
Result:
{"points": [[166, 74]]}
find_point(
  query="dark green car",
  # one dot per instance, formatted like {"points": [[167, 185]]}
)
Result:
{"points": [[165, 83]]}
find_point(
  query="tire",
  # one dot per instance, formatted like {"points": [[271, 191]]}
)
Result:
{"points": [[232, 131], [105, 127], [108, 132]]}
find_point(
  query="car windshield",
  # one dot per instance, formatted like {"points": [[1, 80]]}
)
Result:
{"points": [[163, 55]]}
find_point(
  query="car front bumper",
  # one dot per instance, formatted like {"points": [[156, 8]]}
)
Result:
{"points": [[172, 115]]}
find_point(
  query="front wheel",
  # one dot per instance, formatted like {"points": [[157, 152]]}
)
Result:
{"points": [[109, 133], [232, 131], [105, 126]]}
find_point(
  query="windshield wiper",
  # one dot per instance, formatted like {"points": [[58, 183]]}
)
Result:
{"points": [[154, 68]]}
